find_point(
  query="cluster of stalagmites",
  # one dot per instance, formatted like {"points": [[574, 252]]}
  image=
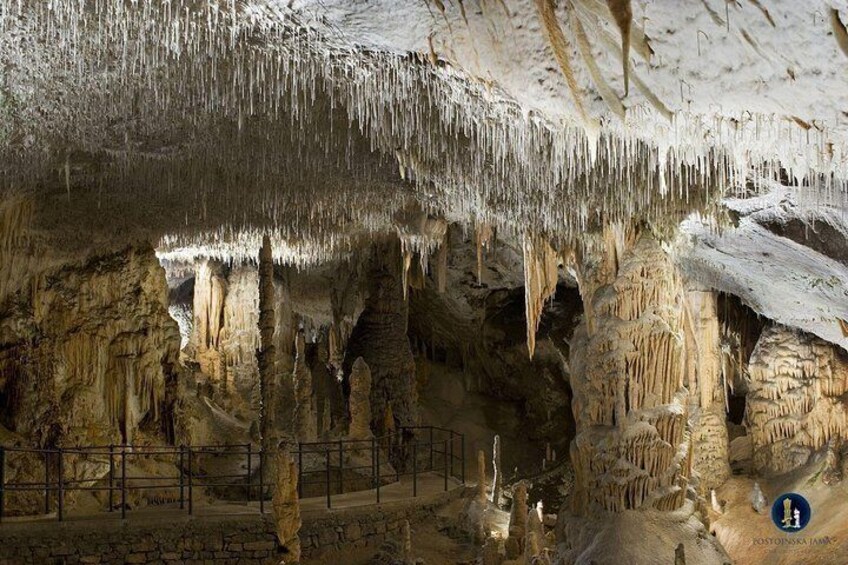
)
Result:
{"points": [[794, 404], [525, 540]]}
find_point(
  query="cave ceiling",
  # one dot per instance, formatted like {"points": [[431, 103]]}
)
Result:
{"points": [[202, 125]]}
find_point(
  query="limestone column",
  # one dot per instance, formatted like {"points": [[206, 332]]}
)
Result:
{"points": [[629, 402], [266, 354], [305, 417], [631, 453], [707, 391], [210, 290], [287, 506], [360, 401], [379, 338]]}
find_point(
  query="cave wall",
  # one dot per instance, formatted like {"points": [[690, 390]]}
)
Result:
{"points": [[87, 350], [794, 400], [380, 338]]}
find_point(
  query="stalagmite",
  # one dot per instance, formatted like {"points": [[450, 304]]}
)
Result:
{"points": [[210, 289], [540, 280], [758, 499], [794, 405], [380, 338], [481, 477], [497, 471], [360, 401], [286, 505], [833, 462], [632, 448], [518, 520], [266, 354], [305, 417]]}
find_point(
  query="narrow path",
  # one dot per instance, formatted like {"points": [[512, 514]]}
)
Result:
{"points": [[429, 485]]}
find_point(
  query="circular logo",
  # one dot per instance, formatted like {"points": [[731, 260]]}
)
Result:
{"points": [[791, 512]]}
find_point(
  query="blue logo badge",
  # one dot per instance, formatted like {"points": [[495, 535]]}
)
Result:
{"points": [[791, 512]]}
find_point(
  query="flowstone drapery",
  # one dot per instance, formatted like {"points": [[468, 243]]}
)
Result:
{"points": [[707, 390], [632, 454], [793, 403]]}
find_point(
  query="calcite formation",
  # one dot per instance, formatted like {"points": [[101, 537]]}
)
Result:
{"points": [[380, 339], [87, 352], [305, 414], [286, 505], [631, 449], [540, 280], [497, 471], [706, 383], [794, 405], [359, 402]]}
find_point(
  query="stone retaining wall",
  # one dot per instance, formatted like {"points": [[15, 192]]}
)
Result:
{"points": [[170, 536], [175, 538], [333, 530]]}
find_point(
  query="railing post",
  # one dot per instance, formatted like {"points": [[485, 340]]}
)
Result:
{"points": [[432, 447], [327, 465], [247, 473], [400, 450], [47, 482], [377, 461], [111, 477], [190, 483], [299, 470], [451, 453], [262, 480], [341, 467], [2, 483], [182, 477], [61, 493], [414, 468], [446, 464], [123, 483], [374, 462], [462, 455]]}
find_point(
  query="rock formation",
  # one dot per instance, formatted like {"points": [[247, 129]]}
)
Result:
{"points": [[793, 403], [86, 353], [305, 415], [210, 290], [286, 505], [497, 471], [518, 520], [629, 402], [706, 385], [380, 339], [632, 453], [360, 401], [266, 354], [758, 499]]}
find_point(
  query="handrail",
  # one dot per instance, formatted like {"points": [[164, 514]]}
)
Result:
{"points": [[408, 452]]}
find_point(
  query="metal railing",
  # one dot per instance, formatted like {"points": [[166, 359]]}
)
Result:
{"points": [[119, 484], [409, 452], [325, 468]]}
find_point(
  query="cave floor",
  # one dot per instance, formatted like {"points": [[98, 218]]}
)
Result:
{"points": [[751, 538]]}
